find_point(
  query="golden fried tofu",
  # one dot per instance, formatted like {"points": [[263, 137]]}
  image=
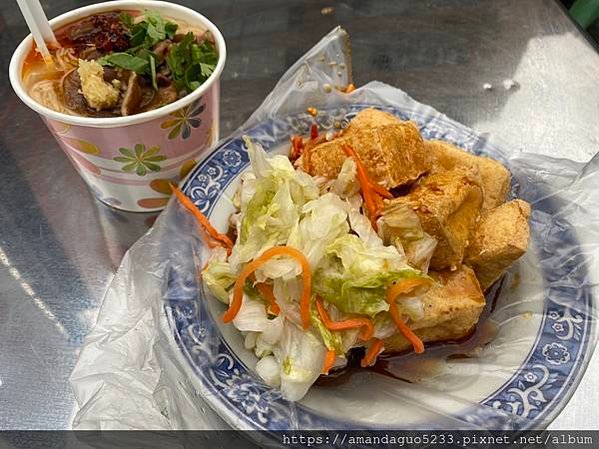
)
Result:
{"points": [[370, 118], [494, 177], [452, 307], [392, 153], [499, 238], [447, 204]]}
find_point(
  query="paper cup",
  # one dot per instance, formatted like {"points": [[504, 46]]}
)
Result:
{"points": [[100, 148]]}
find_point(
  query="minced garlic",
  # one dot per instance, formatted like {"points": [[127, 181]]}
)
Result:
{"points": [[98, 93]]}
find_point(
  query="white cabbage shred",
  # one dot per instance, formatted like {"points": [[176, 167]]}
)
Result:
{"points": [[352, 267]]}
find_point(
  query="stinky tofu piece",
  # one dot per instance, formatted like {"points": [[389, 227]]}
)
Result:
{"points": [[370, 118], [447, 204], [499, 238], [452, 307], [393, 154], [494, 177]]}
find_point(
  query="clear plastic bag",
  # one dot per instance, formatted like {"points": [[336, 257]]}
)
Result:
{"points": [[130, 375]]}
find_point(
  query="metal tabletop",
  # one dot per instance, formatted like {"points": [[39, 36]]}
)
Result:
{"points": [[59, 247]]}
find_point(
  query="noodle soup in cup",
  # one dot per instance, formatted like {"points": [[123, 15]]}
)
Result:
{"points": [[132, 112]]}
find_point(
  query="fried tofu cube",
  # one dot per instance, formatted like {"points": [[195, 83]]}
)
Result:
{"points": [[500, 238], [494, 177], [447, 204], [392, 153], [452, 308], [370, 118]]}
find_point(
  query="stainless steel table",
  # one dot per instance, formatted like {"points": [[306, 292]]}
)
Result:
{"points": [[59, 247]]}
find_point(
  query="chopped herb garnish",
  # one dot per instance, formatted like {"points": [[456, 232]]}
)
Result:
{"points": [[126, 61], [151, 30], [207, 69], [126, 19], [153, 71], [143, 36], [170, 29], [191, 64]]}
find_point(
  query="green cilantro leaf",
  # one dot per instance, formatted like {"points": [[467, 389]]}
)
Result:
{"points": [[170, 29], [126, 61], [138, 34], [150, 30], [206, 69], [126, 19]]}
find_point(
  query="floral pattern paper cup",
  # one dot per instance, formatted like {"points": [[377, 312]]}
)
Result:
{"points": [[128, 162]]}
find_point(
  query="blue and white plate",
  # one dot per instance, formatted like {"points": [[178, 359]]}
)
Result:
{"points": [[521, 379]]}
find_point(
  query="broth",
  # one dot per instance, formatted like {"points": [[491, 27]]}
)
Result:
{"points": [[120, 63]]}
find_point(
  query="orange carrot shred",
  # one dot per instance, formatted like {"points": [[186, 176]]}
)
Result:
{"points": [[365, 185], [329, 359], [404, 287], [236, 302], [371, 191], [381, 190], [373, 352], [401, 288], [220, 239], [405, 330], [352, 323], [297, 146], [350, 88], [314, 131], [266, 291]]}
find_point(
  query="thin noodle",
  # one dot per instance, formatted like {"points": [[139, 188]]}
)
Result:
{"points": [[46, 93], [65, 59]]}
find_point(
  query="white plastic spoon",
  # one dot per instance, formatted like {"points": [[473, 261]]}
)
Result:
{"points": [[40, 27]]}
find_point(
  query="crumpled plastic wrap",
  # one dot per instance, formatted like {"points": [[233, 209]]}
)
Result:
{"points": [[130, 376]]}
